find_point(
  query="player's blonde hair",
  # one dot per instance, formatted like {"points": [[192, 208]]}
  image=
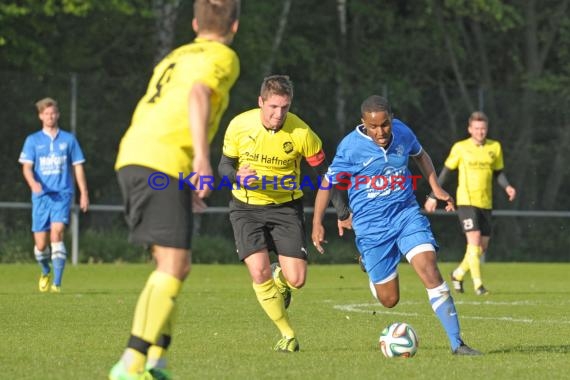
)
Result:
{"points": [[478, 116], [216, 16], [45, 103]]}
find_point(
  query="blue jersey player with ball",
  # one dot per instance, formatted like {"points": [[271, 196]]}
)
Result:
{"points": [[371, 163]]}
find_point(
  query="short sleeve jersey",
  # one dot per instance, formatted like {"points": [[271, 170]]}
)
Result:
{"points": [[475, 164], [159, 136], [381, 184], [275, 156], [52, 160]]}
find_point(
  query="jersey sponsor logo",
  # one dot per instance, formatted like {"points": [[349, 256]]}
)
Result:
{"points": [[288, 147], [274, 161], [400, 150], [52, 165]]}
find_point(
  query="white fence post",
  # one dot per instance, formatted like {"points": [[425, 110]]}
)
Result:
{"points": [[74, 208]]}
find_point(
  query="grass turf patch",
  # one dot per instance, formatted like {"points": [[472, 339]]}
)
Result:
{"points": [[222, 333]]}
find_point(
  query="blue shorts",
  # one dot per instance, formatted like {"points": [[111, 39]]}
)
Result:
{"points": [[382, 252], [50, 208]]}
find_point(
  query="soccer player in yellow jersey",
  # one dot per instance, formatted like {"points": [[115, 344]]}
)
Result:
{"points": [[478, 160], [170, 132], [261, 156]]}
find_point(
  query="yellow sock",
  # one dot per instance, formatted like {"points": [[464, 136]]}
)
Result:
{"points": [[155, 306], [462, 269], [133, 360], [156, 356], [280, 281], [464, 266], [272, 303], [474, 253]]}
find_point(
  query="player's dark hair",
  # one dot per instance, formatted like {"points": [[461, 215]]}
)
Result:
{"points": [[276, 85], [216, 16], [478, 116], [375, 103]]}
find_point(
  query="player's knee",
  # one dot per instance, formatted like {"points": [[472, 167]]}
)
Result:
{"points": [[41, 247], [297, 282], [389, 300], [259, 275], [185, 271]]}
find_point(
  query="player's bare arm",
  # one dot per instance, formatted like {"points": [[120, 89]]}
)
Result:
{"points": [[321, 202], [199, 111], [424, 162], [28, 171], [82, 185]]}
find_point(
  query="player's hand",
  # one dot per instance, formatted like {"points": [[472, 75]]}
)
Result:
{"points": [[450, 204], [36, 187], [511, 192], [443, 195], [84, 202], [430, 204], [244, 172], [344, 224], [201, 166], [318, 237], [198, 204]]}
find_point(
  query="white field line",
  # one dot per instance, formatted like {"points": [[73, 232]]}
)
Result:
{"points": [[378, 309]]}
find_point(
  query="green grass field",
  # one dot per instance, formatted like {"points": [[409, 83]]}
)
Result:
{"points": [[523, 327]]}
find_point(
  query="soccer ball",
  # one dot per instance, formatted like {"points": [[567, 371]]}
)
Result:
{"points": [[399, 340]]}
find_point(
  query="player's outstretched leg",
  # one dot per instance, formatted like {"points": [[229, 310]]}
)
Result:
{"points": [[153, 311], [273, 304], [474, 253], [442, 304]]}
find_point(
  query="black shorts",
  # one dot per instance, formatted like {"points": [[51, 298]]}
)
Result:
{"points": [[161, 217], [279, 228], [475, 219]]}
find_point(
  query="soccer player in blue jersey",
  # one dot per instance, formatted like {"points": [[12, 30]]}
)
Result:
{"points": [[50, 159], [372, 164]]}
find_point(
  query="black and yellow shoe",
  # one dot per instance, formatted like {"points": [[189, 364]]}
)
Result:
{"points": [[481, 291], [457, 284], [44, 283], [287, 344]]}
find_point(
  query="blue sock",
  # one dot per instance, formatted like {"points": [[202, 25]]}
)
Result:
{"points": [[443, 306], [58, 257], [43, 258]]}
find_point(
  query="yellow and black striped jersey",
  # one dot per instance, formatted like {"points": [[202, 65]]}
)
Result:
{"points": [[475, 164], [274, 155], [159, 136]]}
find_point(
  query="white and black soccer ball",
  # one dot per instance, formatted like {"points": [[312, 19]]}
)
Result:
{"points": [[399, 340]]}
